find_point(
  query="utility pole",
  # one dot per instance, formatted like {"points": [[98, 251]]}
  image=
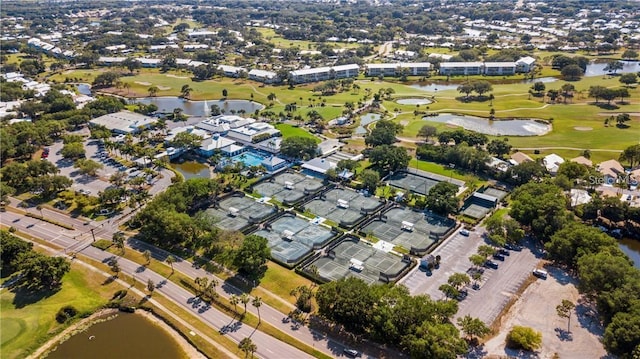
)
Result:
{"points": [[93, 235]]}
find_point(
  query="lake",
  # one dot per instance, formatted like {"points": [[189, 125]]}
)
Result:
{"points": [[631, 247], [366, 119], [84, 89], [192, 169], [515, 127], [126, 336], [597, 68], [200, 108]]}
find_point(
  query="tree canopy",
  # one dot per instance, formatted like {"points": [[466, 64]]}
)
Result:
{"points": [[298, 147]]}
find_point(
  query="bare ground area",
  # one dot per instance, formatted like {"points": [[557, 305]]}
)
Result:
{"points": [[536, 308]]}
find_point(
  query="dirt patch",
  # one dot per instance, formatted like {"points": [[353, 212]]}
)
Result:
{"points": [[581, 128], [177, 77], [143, 83], [537, 309]]}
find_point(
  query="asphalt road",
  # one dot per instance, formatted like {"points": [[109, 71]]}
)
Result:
{"points": [[497, 286], [268, 347]]}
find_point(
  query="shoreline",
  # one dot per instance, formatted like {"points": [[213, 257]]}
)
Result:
{"points": [[189, 350]]}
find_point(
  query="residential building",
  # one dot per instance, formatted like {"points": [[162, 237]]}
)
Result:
{"points": [[324, 73], [396, 69], [461, 68], [110, 60], [499, 68], [582, 160], [611, 170], [149, 63], [519, 158], [525, 64], [267, 77], [124, 122], [215, 143], [552, 162]]}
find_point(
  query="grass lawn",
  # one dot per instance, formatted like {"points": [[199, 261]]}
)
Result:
{"points": [[290, 131], [281, 281], [29, 320]]}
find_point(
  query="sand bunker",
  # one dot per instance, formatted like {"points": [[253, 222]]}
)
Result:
{"points": [[177, 77], [164, 88], [580, 128], [143, 83]]}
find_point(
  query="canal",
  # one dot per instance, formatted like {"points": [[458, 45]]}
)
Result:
{"points": [[126, 336]]}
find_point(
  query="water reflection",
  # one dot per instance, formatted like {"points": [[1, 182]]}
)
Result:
{"points": [[365, 120], [200, 108], [192, 169], [515, 127]]}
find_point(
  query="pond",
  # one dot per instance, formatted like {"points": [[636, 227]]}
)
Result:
{"points": [[631, 247], [365, 120], [200, 108], [413, 101], [126, 336], [514, 127], [192, 169], [84, 89], [597, 68]]}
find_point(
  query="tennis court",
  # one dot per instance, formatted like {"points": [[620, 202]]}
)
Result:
{"points": [[237, 212], [475, 210], [497, 193], [288, 188], [291, 238], [353, 258], [343, 206], [416, 231], [412, 182]]}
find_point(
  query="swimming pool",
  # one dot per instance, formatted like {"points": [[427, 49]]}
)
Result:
{"points": [[248, 158]]}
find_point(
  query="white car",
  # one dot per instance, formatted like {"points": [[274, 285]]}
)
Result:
{"points": [[464, 232]]}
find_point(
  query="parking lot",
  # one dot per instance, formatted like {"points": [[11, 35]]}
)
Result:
{"points": [[497, 286]]}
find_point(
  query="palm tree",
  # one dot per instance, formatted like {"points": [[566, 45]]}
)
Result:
{"points": [[147, 256], [244, 298], [247, 346], [185, 91], [118, 240], [153, 91], [151, 286], [257, 302], [170, 260], [271, 96], [234, 300], [115, 267], [211, 289]]}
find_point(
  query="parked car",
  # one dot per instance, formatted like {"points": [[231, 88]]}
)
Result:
{"points": [[464, 232], [540, 273], [491, 264], [499, 257], [513, 247], [462, 294], [351, 352]]}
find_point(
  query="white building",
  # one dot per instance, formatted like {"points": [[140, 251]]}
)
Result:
{"points": [[552, 162], [461, 68], [525, 64], [255, 132], [209, 146], [499, 68], [123, 122], [396, 69], [110, 61], [324, 73], [267, 77]]}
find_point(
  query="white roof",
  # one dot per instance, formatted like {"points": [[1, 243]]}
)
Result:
{"points": [[460, 64], [262, 73], [499, 64], [526, 60]]}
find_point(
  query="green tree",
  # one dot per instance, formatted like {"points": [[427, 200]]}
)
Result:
{"points": [[458, 280], [252, 256], [151, 286], [153, 91], [481, 87], [631, 155], [628, 79], [477, 260], [613, 66], [147, 256], [119, 241], [630, 54], [257, 302], [88, 167], [225, 93], [466, 88], [486, 251], [442, 198], [248, 347], [39, 271], [370, 180], [564, 310], [72, 150], [622, 118], [303, 295], [499, 148], [383, 134], [115, 267], [185, 91], [449, 290], [245, 299], [539, 87], [604, 271], [186, 140], [10, 248], [234, 300], [473, 327], [524, 338], [427, 131], [542, 206], [389, 158], [622, 337], [299, 147], [170, 260], [571, 72]]}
